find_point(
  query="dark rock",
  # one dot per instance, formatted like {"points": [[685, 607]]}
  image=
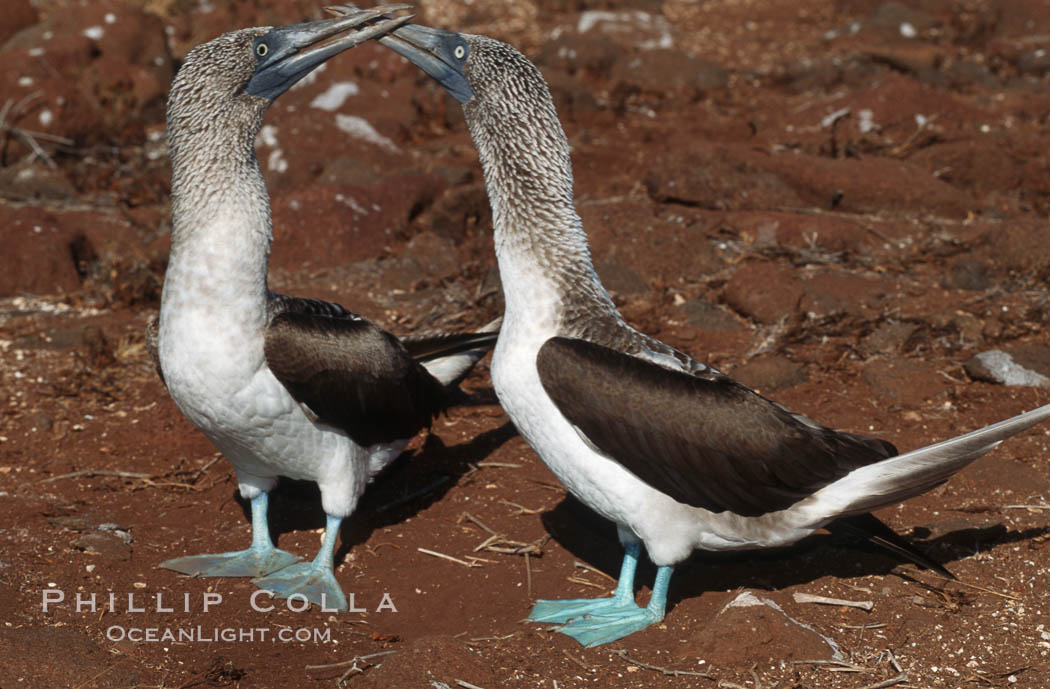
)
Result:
{"points": [[18, 14], [348, 171], [620, 279], [894, 18], [702, 314], [671, 71], [108, 545], [769, 373], [570, 95], [432, 256], [831, 294], [28, 179], [1034, 62], [968, 274], [765, 292], [43, 246], [457, 211], [890, 338], [574, 53], [717, 178], [903, 383]]}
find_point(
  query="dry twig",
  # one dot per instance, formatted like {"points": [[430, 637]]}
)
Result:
{"points": [[90, 473], [434, 553], [662, 670]]}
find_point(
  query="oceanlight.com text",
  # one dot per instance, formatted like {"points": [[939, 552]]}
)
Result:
{"points": [[202, 634]]}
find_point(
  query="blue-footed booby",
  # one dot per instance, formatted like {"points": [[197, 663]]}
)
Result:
{"points": [[678, 455], [282, 386]]}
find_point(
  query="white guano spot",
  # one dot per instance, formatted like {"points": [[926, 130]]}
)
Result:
{"points": [[908, 30], [36, 52], [46, 117], [95, 33], [866, 121], [276, 161], [626, 22], [25, 81], [334, 97], [267, 136], [833, 117], [110, 18], [359, 128]]}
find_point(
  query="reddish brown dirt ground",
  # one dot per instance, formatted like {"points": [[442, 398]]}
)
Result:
{"points": [[841, 203]]}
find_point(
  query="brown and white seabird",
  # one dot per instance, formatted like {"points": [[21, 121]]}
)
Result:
{"points": [[677, 454], [282, 386]]}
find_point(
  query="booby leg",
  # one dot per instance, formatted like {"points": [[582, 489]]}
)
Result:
{"points": [[258, 560], [598, 629], [314, 581], [564, 610]]}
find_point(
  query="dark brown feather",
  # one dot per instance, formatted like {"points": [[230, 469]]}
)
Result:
{"points": [[713, 444], [351, 374]]}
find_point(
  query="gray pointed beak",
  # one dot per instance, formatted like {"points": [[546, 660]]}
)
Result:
{"points": [[286, 54], [432, 50]]}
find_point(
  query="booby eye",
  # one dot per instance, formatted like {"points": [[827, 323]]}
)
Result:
{"points": [[460, 52], [262, 49]]}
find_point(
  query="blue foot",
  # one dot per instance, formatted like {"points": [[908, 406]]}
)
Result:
{"points": [[599, 621], [314, 582], [560, 611], [595, 630], [311, 580], [257, 561], [244, 563]]}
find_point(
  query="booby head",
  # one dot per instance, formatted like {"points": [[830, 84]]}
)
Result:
{"points": [[252, 67]]}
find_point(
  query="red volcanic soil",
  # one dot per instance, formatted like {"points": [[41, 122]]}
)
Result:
{"points": [[840, 203]]}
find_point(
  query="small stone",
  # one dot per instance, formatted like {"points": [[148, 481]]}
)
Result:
{"points": [[998, 366], [107, 545]]}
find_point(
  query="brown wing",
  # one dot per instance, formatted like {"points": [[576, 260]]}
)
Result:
{"points": [[352, 374], [713, 444]]}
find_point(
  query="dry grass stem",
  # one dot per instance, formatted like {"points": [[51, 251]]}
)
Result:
{"points": [[663, 670], [801, 597], [584, 565], [434, 553], [520, 509], [584, 582], [899, 679], [90, 473], [585, 666]]}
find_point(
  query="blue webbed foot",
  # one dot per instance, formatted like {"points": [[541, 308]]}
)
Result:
{"points": [[257, 561], [601, 620], [310, 580], [253, 562], [595, 630], [559, 611], [315, 580]]}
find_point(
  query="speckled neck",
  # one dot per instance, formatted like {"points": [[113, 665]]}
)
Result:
{"points": [[221, 225], [538, 234]]}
